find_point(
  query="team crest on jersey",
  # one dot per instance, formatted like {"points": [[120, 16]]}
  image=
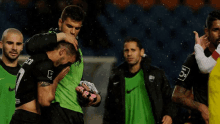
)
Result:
{"points": [[50, 74], [184, 73], [151, 78]]}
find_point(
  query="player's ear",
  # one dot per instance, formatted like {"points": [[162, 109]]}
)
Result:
{"points": [[142, 51], [1, 44], [60, 23], [62, 51]]}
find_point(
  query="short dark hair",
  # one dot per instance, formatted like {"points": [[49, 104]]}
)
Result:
{"points": [[74, 12], [70, 49], [214, 15], [129, 39]]}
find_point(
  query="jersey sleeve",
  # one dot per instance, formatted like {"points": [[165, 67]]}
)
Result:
{"points": [[40, 43], [205, 64], [187, 72], [43, 71]]}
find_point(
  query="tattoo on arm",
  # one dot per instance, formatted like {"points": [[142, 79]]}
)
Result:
{"points": [[181, 98], [44, 84]]}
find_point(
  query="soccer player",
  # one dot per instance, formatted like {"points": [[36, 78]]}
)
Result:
{"points": [[191, 76], [36, 83], [210, 65], [66, 108], [11, 45], [138, 93]]}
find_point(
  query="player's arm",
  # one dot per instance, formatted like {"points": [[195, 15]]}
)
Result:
{"points": [[205, 64], [109, 107], [47, 41], [46, 90], [169, 108], [180, 96], [88, 94], [46, 93], [184, 85], [40, 43]]}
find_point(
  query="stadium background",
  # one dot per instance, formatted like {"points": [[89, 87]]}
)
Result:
{"points": [[165, 28]]}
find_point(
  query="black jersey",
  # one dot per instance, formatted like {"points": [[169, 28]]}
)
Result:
{"points": [[191, 77], [37, 68]]}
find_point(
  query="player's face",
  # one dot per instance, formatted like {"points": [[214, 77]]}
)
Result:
{"points": [[132, 53], [12, 45], [65, 59], [70, 26], [214, 33]]}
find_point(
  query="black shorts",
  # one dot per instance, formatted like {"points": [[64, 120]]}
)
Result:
{"points": [[25, 117], [55, 114]]}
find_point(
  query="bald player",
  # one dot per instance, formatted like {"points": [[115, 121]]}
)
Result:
{"points": [[11, 45]]}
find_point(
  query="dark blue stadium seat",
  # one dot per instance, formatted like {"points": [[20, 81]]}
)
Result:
{"points": [[185, 34], [102, 20], [172, 22], [150, 26], [137, 31], [135, 12], [183, 12], [112, 32], [198, 25], [203, 13], [162, 34], [123, 21], [158, 12], [111, 11]]}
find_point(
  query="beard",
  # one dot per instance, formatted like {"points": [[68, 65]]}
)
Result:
{"points": [[10, 58], [59, 62]]}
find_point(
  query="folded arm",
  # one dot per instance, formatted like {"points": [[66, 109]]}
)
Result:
{"points": [[205, 64]]}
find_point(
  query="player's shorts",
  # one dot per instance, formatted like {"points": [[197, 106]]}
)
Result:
{"points": [[25, 117], [55, 114]]}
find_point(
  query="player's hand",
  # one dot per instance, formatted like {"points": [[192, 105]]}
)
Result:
{"points": [[167, 120], [62, 74], [71, 39], [88, 97], [202, 41], [204, 112]]}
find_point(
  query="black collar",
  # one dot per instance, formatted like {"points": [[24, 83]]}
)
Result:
{"points": [[11, 70]]}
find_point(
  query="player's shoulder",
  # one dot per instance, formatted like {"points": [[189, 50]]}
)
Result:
{"points": [[42, 61], [190, 60]]}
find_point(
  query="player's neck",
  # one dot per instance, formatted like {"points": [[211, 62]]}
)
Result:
{"points": [[9, 63], [211, 47], [52, 55], [135, 68]]}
